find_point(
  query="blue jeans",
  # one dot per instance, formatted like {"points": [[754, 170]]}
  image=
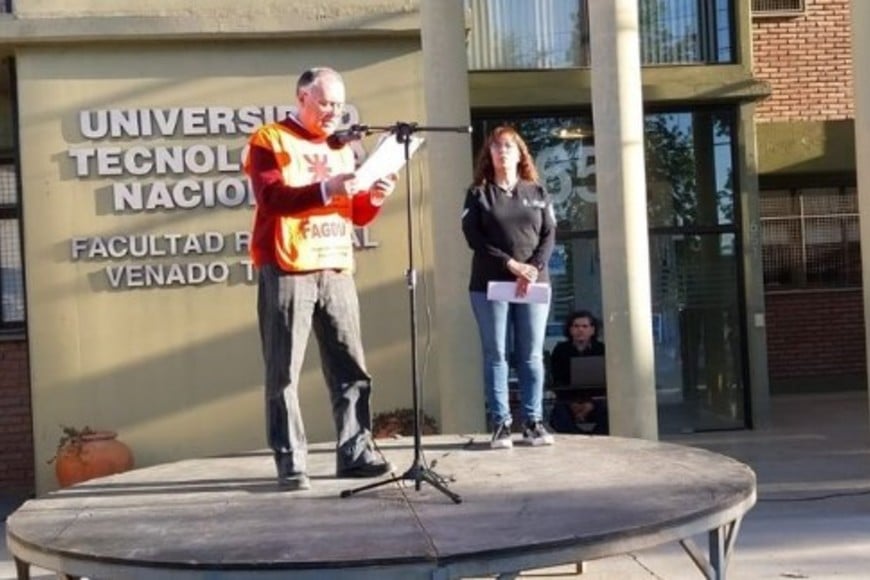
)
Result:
{"points": [[528, 325]]}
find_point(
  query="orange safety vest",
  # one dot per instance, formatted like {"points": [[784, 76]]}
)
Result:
{"points": [[320, 238]]}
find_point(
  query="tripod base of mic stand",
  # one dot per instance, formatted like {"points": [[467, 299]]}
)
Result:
{"points": [[415, 473]]}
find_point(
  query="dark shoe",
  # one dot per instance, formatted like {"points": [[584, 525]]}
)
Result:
{"points": [[535, 434], [501, 437], [372, 468], [294, 482]]}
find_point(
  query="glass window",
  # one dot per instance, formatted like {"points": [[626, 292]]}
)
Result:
{"points": [[11, 268], [695, 301], [724, 35], [810, 238], [552, 34], [669, 31], [696, 319], [524, 34], [11, 281], [564, 155], [11, 272], [685, 31], [689, 169], [575, 275]]}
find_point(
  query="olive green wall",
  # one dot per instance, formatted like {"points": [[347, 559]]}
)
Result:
{"points": [[570, 88], [806, 147], [47, 20], [332, 9], [177, 370]]}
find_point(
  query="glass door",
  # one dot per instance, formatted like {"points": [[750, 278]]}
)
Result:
{"points": [[697, 332]]}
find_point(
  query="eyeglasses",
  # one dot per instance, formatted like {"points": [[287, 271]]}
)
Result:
{"points": [[329, 105], [337, 107]]}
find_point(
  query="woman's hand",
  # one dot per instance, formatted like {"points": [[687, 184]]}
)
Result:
{"points": [[522, 271], [522, 288]]}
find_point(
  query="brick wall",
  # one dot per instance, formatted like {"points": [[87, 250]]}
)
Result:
{"points": [[808, 62], [16, 435], [815, 334]]}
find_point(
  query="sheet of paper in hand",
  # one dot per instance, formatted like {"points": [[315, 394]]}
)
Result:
{"points": [[538, 293], [388, 157]]}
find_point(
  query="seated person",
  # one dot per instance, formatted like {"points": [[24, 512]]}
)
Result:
{"points": [[580, 415], [577, 414], [581, 330]]}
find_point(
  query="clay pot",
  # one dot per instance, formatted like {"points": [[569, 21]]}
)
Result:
{"points": [[393, 424], [91, 455]]}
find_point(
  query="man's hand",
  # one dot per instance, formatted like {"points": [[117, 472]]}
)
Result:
{"points": [[340, 184], [382, 189]]}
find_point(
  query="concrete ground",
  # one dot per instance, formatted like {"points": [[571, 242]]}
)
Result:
{"points": [[812, 520]]}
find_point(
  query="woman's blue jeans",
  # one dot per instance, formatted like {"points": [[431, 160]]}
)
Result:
{"points": [[527, 324]]}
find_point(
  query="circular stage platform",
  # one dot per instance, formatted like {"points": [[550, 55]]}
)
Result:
{"points": [[225, 517]]}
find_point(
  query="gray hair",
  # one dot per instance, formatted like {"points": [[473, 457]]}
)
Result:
{"points": [[313, 76]]}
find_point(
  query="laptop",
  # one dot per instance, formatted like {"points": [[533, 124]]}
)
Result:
{"points": [[588, 372]]}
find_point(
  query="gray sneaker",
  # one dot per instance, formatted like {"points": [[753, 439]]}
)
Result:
{"points": [[501, 437], [297, 481], [535, 434]]}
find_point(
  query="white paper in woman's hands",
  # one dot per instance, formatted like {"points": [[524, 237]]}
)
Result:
{"points": [[388, 157], [537, 293]]}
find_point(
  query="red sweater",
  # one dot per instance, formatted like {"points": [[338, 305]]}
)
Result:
{"points": [[274, 198]]}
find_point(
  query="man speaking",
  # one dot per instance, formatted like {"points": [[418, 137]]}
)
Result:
{"points": [[302, 246]]}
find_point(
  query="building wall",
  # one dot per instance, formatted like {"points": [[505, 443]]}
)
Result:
{"points": [[307, 15], [16, 436], [807, 62], [806, 130], [177, 371], [812, 335]]}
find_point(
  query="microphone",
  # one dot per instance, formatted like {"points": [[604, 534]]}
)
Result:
{"points": [[344, 136]]}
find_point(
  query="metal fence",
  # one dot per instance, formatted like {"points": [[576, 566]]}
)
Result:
{"points": [[810, 238]]}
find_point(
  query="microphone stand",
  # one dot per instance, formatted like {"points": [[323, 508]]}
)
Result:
{"points": [[418, 472]]}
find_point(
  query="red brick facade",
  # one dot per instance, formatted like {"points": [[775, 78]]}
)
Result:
{"points": [[807, 60], [16, 434], [815, 334]]}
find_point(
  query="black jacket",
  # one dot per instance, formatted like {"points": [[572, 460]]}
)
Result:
{"points": [[500, 225], [560, 359]]}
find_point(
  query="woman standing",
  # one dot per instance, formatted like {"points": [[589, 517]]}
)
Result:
{"points": [[509, 223]]}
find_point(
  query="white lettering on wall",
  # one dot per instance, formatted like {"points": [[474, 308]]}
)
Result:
{"points": [[179, 121], [185, 194], [241, 242], [147, 246], [160, 160], [149, 275]]}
